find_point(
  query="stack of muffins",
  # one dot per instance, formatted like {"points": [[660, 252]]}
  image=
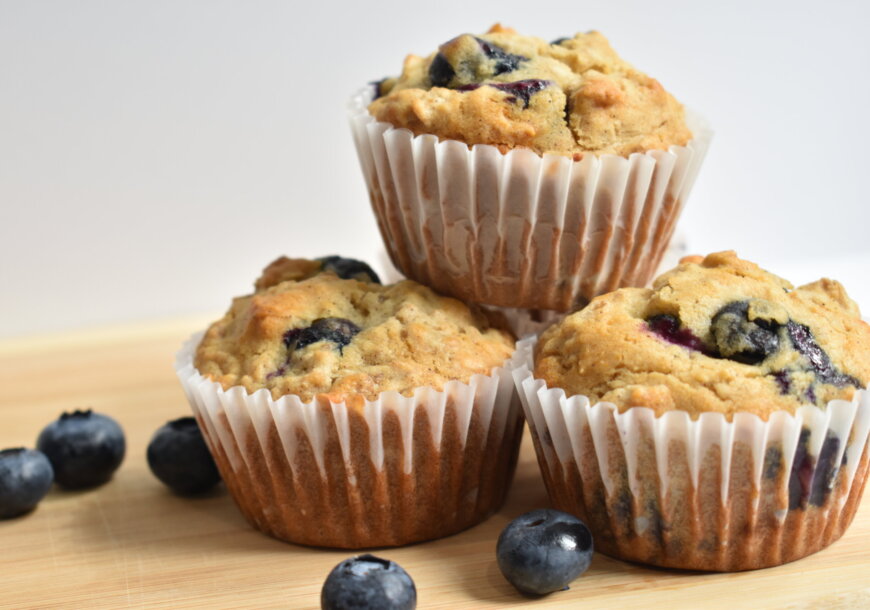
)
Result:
{"points": [[716, 421]]}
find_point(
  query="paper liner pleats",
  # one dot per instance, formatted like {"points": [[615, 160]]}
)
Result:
{"points": [[518, 229], [525, 322], [375, 473], [704, 494]]}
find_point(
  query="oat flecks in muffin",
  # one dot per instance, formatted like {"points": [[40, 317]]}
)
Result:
{"points": [[570, 97], [347, 339], [714, 334]]}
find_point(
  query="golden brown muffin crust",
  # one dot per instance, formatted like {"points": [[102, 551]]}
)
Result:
{"points": [[717, 335], [406, 337], [573, 97]]}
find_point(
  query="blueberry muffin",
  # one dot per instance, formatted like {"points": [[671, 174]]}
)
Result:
{"points": [[346, 339], [508, 171], [717, 421], [715, 334], [572, 96], [345, 413]]}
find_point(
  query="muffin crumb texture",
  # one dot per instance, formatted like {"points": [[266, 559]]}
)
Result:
{"points": [[308, 332], [572, 96], [715, 334]]}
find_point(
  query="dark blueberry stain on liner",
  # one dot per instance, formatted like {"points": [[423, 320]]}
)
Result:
{"points": [[801, 473], [772, 462], [826, 471], [622, 508], [811, 480]]}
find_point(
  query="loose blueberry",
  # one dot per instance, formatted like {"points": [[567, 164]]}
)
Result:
{"points": [[668, 328], [365, 582], [440, 71], [84, 448], [741, 339], [25, 478], [504, 61], [337, 330], [349, 269], [559, 41], [544, 551], [179, 457]]}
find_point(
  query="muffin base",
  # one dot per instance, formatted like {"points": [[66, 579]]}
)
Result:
{"points": [[707, 494], [379, 473]]}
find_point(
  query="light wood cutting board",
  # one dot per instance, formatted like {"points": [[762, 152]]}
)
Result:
{"points": [[132, 544]]}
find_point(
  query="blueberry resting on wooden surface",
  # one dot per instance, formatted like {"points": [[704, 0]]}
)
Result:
{"points": [[178, 456], [544, 551], [25, 477], [84, 448], [368, 582]]}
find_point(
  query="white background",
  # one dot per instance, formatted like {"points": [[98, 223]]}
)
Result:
{"points": [[155, 155]]}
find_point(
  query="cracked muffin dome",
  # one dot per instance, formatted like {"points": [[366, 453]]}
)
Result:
{"points": [[308, 331], [715, 334], [572, 96]]}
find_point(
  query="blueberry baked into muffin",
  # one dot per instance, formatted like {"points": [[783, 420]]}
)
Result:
{"points": [[718, 334], [345, 413], [510, 171], [717, 421], [571, 96]]}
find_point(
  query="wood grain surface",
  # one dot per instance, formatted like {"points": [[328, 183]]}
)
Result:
{"points": [[132, 544]]}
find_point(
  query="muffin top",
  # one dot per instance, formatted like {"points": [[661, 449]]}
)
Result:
{"points": [[572, 96], [714, 334], [307, 331]]}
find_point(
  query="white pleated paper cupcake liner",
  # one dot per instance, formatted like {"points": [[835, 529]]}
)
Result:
{"points": [[704, 494], [517, 229], [386, 472], [526, 322]]}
